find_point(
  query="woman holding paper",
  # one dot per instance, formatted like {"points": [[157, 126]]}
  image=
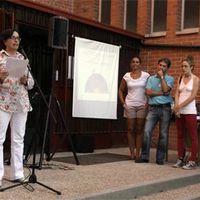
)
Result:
{"points": [[14, 103]]}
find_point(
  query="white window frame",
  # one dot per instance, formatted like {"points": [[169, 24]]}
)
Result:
{"points": [[100, 12], [100, 5], [186, 30], [125, 16], [154, 34], [182, 14], [152, 16], [125, 11]]}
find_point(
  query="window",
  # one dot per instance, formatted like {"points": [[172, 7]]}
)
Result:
{"points": [[159, 15], [130, 16], [104, 11], [190, 14]]}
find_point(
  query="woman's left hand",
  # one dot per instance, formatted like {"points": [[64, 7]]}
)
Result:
{"points": [[176, 109], [146, 106], [23, 80]]}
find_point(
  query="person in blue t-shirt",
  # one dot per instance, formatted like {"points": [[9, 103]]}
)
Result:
{"points": [[158, 90]]}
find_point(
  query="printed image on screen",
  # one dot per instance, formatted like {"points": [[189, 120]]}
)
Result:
{"points": [[96, 83], [95, 79]]}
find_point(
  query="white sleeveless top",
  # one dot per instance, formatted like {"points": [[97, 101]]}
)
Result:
{"points": [[185, 91], [136, 89]]}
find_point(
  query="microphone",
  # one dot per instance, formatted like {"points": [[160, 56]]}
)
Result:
{"points": [[35, 94], [21, 50]]}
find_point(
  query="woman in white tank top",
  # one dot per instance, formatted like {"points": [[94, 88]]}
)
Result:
{"points": [[133, 98], [185, 110]]}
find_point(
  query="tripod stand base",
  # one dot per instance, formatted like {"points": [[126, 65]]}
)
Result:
{"points": [[32, 179]]}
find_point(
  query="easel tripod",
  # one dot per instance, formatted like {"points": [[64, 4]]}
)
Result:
{"points": [[33, 178]]}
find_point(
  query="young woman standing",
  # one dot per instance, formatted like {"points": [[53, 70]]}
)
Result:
{"points": [[186, 112], [132, 97]]}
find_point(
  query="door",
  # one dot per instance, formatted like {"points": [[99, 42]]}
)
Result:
{"points": [[35, 44]]}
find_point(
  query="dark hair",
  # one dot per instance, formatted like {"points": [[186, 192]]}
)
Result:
{"points": [[137, 58], [6, 34], [165, 60], [190, 61]]}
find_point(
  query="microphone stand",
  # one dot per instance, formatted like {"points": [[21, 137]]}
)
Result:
{"points": [[37, 85], [41, 93], [33, 178]]}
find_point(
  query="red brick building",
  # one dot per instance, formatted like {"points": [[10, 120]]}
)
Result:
{"points": [[161, 28]]}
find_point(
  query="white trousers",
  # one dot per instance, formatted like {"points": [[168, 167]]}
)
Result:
{"points": [[17, 125]]}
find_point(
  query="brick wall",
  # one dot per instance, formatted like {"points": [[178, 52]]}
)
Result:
{"points": [[143, 21], [87, 8], [84, 8], [117, 13], [149, 55], [66, 5]]}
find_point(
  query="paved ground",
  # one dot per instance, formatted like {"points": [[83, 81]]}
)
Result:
{"points": [[114, 180]]}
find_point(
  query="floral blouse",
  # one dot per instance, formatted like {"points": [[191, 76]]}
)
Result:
{"points": [[13, 95]]}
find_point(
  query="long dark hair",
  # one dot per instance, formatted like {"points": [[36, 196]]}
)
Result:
{"points": [[6, 34], [138, 57]]}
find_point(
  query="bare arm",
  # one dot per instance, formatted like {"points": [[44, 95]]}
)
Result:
{"points": [[121, 91], [153, 93], [30, 81], [165, 88], [176, 97]]}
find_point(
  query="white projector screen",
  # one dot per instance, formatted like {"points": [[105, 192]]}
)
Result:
{"points": [[95, 79]]}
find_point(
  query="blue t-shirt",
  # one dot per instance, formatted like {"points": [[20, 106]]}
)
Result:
{"points": [[154, 83]]}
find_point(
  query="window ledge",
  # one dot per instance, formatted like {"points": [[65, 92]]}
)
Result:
{"points": [[187, 31], [155, 34]]}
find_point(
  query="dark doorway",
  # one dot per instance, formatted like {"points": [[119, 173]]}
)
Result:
{"points": [[35, 44]]}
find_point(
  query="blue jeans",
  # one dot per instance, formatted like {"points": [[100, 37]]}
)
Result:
{"points": [[155, 115]]}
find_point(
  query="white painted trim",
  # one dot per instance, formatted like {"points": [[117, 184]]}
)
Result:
{"points": [[100, 5], [125, 14], [156, 34], [152, 16], [182, 14], [187, 31]]}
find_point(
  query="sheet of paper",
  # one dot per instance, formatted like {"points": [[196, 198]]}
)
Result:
{"points": [[16, 67]]}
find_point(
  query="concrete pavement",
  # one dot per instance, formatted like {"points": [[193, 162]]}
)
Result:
{"points": [[123, 179]]}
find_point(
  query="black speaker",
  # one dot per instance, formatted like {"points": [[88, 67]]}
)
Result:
{"points": [[58, 32]]}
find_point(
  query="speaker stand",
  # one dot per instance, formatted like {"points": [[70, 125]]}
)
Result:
{"points": [[67, 133]]}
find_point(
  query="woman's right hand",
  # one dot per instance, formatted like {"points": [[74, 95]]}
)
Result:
{"points": [[124, 105], [3, 76]]}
